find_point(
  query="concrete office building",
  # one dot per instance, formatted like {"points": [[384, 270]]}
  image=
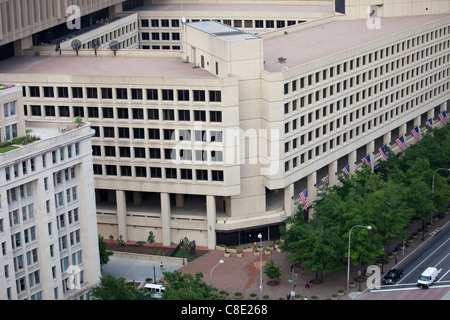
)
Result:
{"points": [[48, 233], [215, 142]]}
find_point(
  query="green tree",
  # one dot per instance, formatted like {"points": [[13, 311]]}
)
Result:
{"points": [[104, 254], [111, 288], [272, 270], [185, 286]]}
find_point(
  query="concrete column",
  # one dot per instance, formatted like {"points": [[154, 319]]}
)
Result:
{"points": [[311, 183], [211, 220], [387, 138], [179, 200], [332, 169], [165, 219], [351, 161], [289, 200], [137, 197], [430, 114], [121, 203], [369, 150], [417, 121], [402, 129]]}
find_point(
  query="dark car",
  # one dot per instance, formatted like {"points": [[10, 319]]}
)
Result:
{"points": [[392, 275]]}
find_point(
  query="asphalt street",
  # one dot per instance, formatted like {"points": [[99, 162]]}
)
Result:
{"points": [[434, 252]]}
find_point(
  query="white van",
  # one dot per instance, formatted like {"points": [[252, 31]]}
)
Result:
{"points": [[155, 290], [427, 277]]}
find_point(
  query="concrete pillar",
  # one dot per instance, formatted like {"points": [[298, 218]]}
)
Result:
{"points": [[369, 150], [179, 200], [165, 219], [289, 200], [122, 214], [417, 121], [332, 170], [387, 138], [311, 183], [402, 129], [137, 197], [211, 220], [352, 160]]}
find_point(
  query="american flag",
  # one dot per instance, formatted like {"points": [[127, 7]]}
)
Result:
{"points": [[304, 198], [401, 142], [346, 169], [366, 160], [383, 152], [443, 117], [325, 179], [415, 133], [429, 122]]}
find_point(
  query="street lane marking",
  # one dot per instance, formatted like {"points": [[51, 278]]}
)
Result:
{"points": [[425, 259]]}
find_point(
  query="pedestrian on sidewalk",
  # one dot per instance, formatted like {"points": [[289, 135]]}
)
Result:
{"points": [[307, 284]]}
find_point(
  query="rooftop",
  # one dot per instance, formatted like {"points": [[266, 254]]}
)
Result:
{"points": [[334, 37], [221, 30], [119, 65]]}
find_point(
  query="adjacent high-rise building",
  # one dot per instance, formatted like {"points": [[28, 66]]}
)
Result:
{"points": [[48, 232]]}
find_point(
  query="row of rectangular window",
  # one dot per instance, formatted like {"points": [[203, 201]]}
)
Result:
{"points": [[317, 77], [237, 23], [124, 113], [30, 164], [328, 92], [164, 36], [154, 134], [157, 172], [155, 153], [357, 99], [354, 132], [124, 93]]}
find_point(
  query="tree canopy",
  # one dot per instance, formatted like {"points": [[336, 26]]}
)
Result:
{"points": [[389, 200]]}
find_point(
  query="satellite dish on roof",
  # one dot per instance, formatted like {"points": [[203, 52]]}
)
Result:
{"points": [[183, 19], [114, 45], [75, 44]]}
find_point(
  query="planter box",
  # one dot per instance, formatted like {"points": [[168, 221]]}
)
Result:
{"points": [[247, 249], [221, 247]]}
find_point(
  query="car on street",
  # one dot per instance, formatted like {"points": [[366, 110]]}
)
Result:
{"points": [[392, 276]]}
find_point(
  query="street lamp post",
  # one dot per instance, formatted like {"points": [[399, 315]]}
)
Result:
{"points": [[348, 262], [432, 187], [260, 266], [432, 190], [210, 274]]}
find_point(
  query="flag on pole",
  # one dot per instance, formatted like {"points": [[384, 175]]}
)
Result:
{"points": [[383, 152], [304, 199], [366, 160], [429, 122], [346, 169], [401, 142], [443, 117], [325, 179], [415, 133]]}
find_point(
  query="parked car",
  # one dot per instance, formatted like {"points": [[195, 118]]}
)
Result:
{"points": [[392, 276]]}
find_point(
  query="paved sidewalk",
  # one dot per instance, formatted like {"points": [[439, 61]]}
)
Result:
{"points": [[243, 274]]}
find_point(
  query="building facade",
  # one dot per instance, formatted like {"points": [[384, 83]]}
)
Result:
{"points": [[48, 233], [215, 142]]}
